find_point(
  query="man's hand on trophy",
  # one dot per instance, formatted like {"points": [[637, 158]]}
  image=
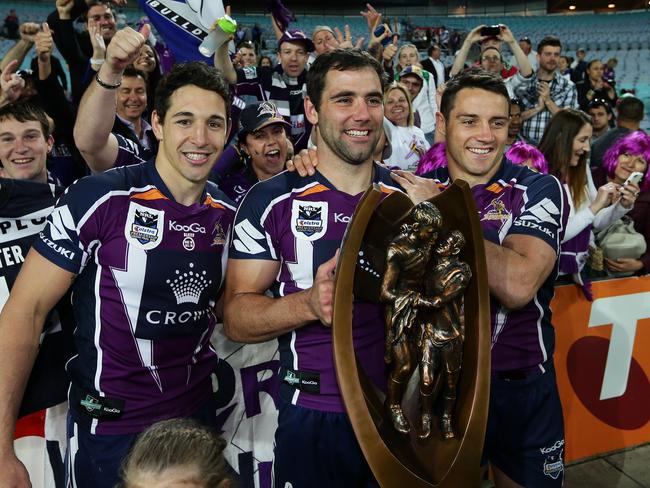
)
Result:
{"points": [[321, 293], [304, 162], [417, 188]]}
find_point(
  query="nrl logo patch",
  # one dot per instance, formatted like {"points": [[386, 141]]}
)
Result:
{"points": [[554, 465], [308, 219], [144, 226]]}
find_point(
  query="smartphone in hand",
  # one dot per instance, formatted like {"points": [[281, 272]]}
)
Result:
{"points": [[635, 178]]}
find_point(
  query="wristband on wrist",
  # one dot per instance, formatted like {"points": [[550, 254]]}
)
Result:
{"points": [[108, 86], [96, 61]]}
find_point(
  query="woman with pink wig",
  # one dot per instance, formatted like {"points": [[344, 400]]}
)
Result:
{"points": [[522, 153], [629, 154], [434, 158]]}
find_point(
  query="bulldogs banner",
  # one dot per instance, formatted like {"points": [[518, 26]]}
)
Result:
{"points": [[183, 24]]}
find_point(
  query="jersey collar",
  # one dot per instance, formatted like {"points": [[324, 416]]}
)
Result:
{"points": [[154, 177]]}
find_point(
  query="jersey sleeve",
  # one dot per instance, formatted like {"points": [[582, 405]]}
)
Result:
{"points": [[253, 235], [128, 152], [545, 212], [73, 226]]}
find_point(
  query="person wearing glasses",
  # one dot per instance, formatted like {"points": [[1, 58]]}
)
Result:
{"points": [[491, 44], [492, 61]]}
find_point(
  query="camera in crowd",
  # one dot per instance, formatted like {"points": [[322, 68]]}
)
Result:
{"points": [[491, 30]]}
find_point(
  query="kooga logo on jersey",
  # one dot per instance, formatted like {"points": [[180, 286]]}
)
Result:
{"points": [[193, 227]]}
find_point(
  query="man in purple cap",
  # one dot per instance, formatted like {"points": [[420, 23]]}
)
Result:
{"points": [[283, 84], [263, 149]]}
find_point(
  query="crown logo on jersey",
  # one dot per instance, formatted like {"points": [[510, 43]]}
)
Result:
{"points": [[188, 286]]}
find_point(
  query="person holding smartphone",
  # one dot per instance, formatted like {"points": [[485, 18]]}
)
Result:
{"points": [[592, 208], [626, 162]]}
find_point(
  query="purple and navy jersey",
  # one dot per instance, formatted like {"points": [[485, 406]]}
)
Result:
{"points": [[237, 183], [300, 222], [232, 175], [128, 152], [519, 201], [149, 273]]}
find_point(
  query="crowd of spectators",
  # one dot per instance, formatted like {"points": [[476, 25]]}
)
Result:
{"points": [[573, 141]]}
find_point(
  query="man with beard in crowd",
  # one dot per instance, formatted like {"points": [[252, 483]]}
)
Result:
{"points": [[548, 92]]}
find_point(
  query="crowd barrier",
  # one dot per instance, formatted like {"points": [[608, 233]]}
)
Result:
{"points": [[602, 359]]}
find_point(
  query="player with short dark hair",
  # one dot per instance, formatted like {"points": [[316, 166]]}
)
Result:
{"points": [[287, 231], [523, 215], [143, 248]]}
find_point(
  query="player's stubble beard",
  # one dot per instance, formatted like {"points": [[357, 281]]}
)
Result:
{"points": [[343, 150]]}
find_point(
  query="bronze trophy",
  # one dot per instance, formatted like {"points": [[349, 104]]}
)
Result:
{"points": [[426, 263]]}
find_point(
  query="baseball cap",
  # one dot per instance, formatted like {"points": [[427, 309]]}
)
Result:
{"points": [[296, 35], [319, 28], [412, 70], [258, 115]]}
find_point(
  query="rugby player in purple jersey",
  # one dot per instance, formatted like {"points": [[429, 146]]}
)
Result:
{"points": [[287, 231], [143, 248], [523, 216]]}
